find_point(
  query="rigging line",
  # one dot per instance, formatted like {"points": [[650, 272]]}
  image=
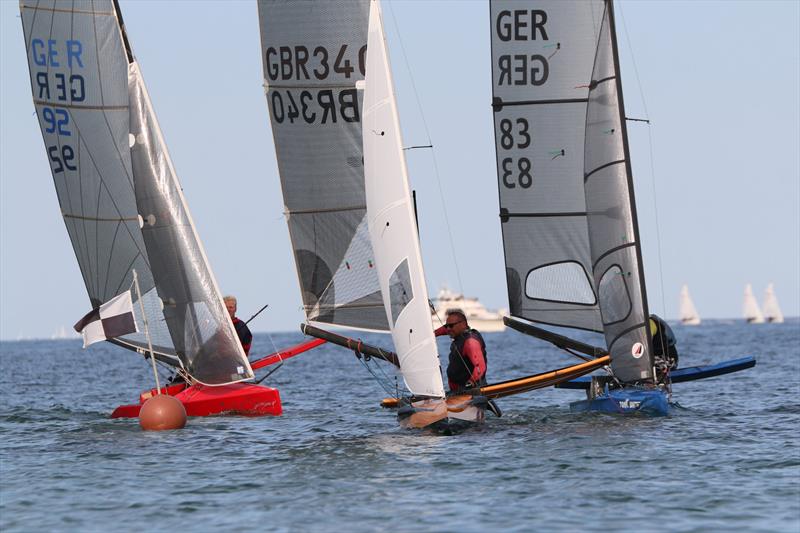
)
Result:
{"points": [[652, 162], [384, 382], [274, 348], [433, 152]]}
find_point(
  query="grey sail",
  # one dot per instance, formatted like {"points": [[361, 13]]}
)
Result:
{"points": [[313, 55], [567, 209], [117, 190], [613, 229], [542, 57]]}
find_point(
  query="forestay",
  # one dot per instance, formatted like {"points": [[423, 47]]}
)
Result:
{"points": [[313, 55], [392, 225], [119, 196], [566, 200]]}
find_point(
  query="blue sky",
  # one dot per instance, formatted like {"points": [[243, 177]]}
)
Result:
{"points": [[721, 84]]}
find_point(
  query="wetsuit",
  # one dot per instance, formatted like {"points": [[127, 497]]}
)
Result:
{"points": [[245, 337]]}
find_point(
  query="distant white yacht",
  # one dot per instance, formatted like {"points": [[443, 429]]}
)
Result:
{"points": [[477, 315], [750, 310], [688, 313], [772, 311]]}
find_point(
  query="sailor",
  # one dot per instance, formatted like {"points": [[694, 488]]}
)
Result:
{"points": [[467, 365], [245, 337], [663, 342]]}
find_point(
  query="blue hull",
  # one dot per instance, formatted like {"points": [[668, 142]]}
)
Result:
{"points": [[680, 375], [628, 400]]}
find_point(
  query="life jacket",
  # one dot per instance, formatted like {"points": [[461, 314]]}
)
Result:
{"points": [[459, 368], [663, 340], [243, 332]]}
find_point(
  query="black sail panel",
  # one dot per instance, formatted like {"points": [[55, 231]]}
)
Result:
{"points": [[613, 232]]}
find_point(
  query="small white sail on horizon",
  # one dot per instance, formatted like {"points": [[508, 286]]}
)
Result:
{"points": [[750, 310], [772, 311], [688, 312]]}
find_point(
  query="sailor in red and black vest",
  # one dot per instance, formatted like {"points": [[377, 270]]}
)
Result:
{"points": [[466, 367], [245, 337]]}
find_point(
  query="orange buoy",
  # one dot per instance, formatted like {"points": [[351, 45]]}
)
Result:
{"points": [[161, 412]]}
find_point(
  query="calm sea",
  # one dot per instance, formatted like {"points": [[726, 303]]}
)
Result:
{"points": [[335, 461]]}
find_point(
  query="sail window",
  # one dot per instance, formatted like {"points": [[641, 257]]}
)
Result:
{"points": [[615, 300], [560, 282], [400, 292]]}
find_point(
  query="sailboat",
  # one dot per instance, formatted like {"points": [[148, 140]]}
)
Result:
{"points": [[687, 310], [567, 207], [772, 311], [349, 209], [124, 209], [750, 309]]}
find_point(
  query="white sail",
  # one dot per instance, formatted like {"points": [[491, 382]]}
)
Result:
{"points": [[772, 311], [392, 224], [750, 310], [688, 312]]}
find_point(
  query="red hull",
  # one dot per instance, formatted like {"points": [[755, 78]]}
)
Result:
{"points": [[243, 399]]}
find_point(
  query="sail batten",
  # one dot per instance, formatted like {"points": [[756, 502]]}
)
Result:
{"points": [[118, 193]]}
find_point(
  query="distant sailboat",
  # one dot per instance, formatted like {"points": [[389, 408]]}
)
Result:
{"points": [[688, 312], [772, 311], [750, 310]]}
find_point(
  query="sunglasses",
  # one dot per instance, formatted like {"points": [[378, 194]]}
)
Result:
{"points": [[451, 325]]}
